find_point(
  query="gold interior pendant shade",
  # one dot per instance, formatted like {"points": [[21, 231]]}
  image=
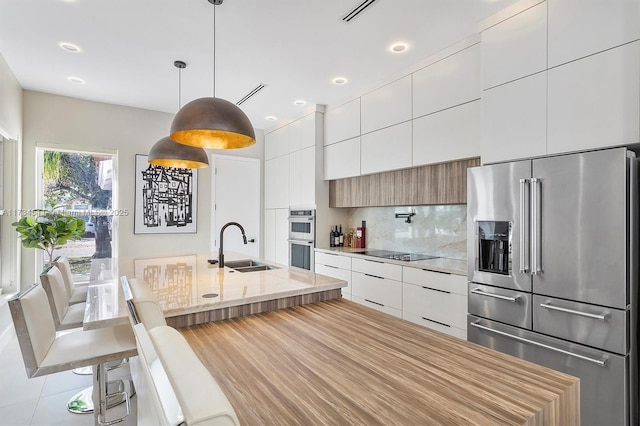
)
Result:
{"points": [[212, 123], [168, 153]]}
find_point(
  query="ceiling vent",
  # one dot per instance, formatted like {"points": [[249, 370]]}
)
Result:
{"points": [[356, 11], [251, 94]]}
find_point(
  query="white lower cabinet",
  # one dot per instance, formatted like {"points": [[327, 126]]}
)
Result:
{"points": [[335, 266], [432, 299], [435, 300], [276, 233]]}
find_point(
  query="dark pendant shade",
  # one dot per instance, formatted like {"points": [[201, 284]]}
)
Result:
{"points": [[212, 123], [168, 153]]}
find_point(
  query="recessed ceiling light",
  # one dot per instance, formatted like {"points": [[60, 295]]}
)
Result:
{"points": [[69, 47], [76, 80], [399, 47], [271, 118], [299, 102], [339, 80]]}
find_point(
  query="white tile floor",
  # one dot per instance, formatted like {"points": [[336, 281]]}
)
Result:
{"points": [[43, 400]]}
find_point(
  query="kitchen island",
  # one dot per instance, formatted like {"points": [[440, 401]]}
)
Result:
{"points": [[340, 363], [191, 290]]}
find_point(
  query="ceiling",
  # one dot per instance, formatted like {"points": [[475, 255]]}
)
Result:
{"points": [[294, 47]]}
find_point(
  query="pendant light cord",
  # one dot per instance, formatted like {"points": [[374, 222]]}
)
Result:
{"points": [[214, 50], [179, 88]]}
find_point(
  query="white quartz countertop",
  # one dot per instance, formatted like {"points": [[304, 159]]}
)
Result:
{"points": [[189, 284], [440, 264]]}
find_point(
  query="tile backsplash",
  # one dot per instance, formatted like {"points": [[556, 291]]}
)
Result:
{"points": [[435, 230]]}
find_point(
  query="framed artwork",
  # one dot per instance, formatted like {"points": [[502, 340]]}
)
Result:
{"points": [[166, 199]]}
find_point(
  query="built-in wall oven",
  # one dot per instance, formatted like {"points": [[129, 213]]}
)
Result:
{"points": [[302, 238]]}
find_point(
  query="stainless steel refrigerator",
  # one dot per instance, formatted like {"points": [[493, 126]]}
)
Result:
{"points": [[552, 271]]}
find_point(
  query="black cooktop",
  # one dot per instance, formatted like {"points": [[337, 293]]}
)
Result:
{"points": [[398, 255]]}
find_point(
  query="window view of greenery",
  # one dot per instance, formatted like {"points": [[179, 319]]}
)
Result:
{"points": [[82, 184]]}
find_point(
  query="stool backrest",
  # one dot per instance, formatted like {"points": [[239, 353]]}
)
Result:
{"points": [[146, 303], [34, 326], [62, 263], [53, 284]]}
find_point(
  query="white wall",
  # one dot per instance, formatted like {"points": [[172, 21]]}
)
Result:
{"points": [[10, 103], [71, 122]]}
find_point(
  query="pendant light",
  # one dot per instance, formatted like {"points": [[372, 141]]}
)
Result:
{"points": [[168, 153], [212, 122]]}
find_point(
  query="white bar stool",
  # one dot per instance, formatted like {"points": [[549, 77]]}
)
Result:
{"points": [[44, 352]]}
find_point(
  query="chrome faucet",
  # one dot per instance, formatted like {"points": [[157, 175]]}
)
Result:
{"points": [[220, 253]]}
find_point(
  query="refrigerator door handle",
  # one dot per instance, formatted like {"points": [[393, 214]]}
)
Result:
{"points": [[536, 234], [524, 227], [600, 362], [601, 317], [495, 296]]}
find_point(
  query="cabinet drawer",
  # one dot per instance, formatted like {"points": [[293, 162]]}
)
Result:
{"points": [[508, 306], [379, 269], [343, 262], [377, 306], [597, 326], [447, 329], [445, 308], [383, 291], [437, 280], [332, 271]]}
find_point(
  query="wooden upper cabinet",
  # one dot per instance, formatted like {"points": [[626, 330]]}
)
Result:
{"points": [[448, 82], [578, 28], [342, 123], [515, 47], [437, 184], [386, 106]]}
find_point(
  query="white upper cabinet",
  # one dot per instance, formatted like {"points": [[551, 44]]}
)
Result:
{"points": [[387, 149], [276, 182], [303, 133], [451, 81], [578, 28], [277, 143], [302, 177], [515, 47], [386, 106], [342, 159], [595, 101], [342, 123], [514, 120], [447, 135]]}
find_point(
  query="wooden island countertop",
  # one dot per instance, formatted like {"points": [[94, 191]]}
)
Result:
{"points": [[337, 362]]}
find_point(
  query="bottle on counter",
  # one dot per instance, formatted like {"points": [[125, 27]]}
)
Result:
{"points": [[332, 238], [341, 237], [336, 238], [361, 232]]}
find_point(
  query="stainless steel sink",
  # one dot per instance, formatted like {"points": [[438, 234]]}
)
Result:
{"points": [[233, 264], [248, 265]]}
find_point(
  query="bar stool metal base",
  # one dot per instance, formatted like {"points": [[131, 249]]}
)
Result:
{"points": [[82, 402]]}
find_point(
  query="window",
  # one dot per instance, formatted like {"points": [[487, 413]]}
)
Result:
{"points": [[81, 183]]}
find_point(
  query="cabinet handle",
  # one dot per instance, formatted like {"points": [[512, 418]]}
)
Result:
{"points": [[374, 261], [329, 266], [374, 276], [601, 362], [479, 292], [435, 289], [375, 303], [601, 317], [437, 322], [437, 272]]}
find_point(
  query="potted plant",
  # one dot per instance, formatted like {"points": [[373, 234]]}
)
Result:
{"points": [[48, 229]]}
